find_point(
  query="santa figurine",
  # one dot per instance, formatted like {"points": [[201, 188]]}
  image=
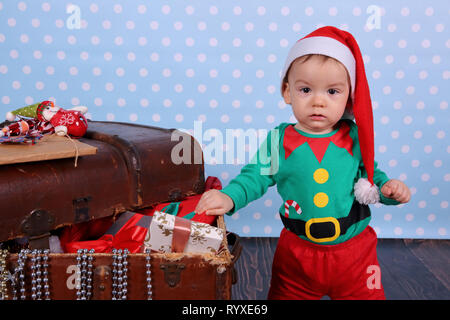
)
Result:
{"points": [[66, 122]]}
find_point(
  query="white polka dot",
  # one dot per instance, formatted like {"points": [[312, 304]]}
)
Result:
{"points": [[225, 26], [121, 102], [156, 117], [415, 27], [440, 134], [400, 74], [39, 85], [398, 231], [154, 25], [402, 44], [415, 163], [404, 11], [407, 120], [420, 231], [179, 118], [378, 43], [431, 217], [418, 134], [16, 85], [428, 149], [133, 117], [257, 215], [392, 163], [385, 120], [433, 90], [444, 204], [167, 103], [422, 204], [309, 11], [213, 10], [267, 229], [439, 27], [437, 164], [245, 229], [50, 70], [141, 9], [387, 217], [109, 87], [434, 191], [333, 11], [423, 75], [46, 7], [178, 57], [26, 69], [165, 9], [442, 231], [429, 11], [426, 43], [132, 87]]}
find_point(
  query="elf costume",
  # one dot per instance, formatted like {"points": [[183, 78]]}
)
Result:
{"points": [[326, 182]]}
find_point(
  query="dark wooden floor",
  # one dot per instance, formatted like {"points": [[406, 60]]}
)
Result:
{"points": [[411, 269]]}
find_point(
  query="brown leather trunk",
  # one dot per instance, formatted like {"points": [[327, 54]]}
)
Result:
{"points": [[132, 169], [175, 276]]}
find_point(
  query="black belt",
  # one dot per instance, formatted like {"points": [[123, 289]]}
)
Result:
{"points": [[329, 228]]}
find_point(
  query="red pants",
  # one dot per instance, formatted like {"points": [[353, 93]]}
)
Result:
{"points": [[305, 270]]}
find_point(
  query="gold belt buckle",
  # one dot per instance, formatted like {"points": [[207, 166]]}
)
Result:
{"points": [[337, 229]]}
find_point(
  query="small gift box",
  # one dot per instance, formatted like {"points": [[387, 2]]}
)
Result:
{"points": [[168, 233]]}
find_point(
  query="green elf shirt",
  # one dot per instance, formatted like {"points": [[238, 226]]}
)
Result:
{"points": [[314, 174]]}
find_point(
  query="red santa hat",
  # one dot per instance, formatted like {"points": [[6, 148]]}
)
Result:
{"points": [[342, 46]]}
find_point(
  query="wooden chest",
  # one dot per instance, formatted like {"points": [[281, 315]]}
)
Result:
{"points": [[132, 169]]}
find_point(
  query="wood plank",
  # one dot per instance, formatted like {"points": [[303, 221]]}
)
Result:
{"points": [[254, 268], [404, 276], [47, 148], [435, 255]]}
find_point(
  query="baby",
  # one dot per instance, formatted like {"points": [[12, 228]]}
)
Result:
{"points": [[325, 173]]}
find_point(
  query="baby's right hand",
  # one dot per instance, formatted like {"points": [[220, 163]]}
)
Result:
{"points": [[214, 202]]}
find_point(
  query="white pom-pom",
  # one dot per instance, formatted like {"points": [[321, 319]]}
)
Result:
{"points": [[10, 116], [365, 192]]}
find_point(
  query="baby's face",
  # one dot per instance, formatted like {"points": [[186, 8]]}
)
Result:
{"points": [[318, 92]]}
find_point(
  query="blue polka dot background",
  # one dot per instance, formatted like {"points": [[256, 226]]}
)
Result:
{"points": [[217, 63]]}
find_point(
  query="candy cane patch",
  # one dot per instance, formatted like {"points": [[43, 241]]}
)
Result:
{"points": [[291, 203]]}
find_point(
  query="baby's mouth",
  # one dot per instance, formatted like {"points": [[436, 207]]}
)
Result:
{"points": [[317, 117]]}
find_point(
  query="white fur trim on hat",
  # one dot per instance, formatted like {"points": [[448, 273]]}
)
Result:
{"points": [[365, 192], [326, 46]]}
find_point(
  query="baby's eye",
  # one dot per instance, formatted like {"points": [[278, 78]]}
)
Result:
{"points": [[305, 90], [332, 91]]}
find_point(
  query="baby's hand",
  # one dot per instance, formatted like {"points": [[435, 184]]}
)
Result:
{"points": [[214, 202], [397, 190]]}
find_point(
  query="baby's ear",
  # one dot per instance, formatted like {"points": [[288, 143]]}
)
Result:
{"points": [[286, 92]]}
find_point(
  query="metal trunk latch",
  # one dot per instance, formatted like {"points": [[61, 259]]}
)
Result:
{"points": [[172, 272], [81, 209], [37, 226]]}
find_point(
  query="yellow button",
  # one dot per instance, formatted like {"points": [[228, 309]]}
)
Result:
{"points": [[321, 176], [321, 199]]}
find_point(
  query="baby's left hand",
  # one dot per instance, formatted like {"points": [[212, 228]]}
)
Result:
{"points": [[397, 190]]}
